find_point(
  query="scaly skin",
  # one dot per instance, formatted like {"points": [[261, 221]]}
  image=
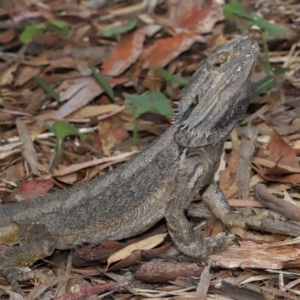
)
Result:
{"points": [[159, 182]]}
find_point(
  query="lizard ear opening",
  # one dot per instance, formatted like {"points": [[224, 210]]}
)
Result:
{"points": [[195, 102]]}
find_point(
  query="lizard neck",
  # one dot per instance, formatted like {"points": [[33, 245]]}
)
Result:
{"points": [[211, 152]]}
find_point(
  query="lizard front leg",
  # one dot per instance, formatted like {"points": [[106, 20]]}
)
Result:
{"points": [[36, 242], [182, 233]]}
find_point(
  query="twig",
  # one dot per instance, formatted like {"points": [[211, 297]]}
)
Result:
{"points": [[285, 208], [95, 289]]}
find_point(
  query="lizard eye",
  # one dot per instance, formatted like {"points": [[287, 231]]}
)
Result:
{"points": [[218, 63]]}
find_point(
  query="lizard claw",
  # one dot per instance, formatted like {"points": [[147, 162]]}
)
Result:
{"points": [[237, 240], [234, 218]]}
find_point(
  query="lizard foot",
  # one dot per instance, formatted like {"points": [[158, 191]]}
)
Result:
{"points": [[248, 217], [15, 274], [37, 242], [261, 219], [201, 248]]}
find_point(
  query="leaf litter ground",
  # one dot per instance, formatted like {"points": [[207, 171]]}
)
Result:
{"points": [[51, 53]]}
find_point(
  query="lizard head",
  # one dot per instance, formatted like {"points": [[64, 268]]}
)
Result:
{"points": [[217, 95]]}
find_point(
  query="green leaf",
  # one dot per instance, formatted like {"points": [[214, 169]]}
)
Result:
{"points": [[47, 88], [279, 71], [140, 104], [160, 103], [235, 10], [60, 129], [118, 30], [168, 76], [49, 127], [151, 102], [59, 26], [264, 25], [30, 33], [103, 82], [263, 85], [64, 129]]}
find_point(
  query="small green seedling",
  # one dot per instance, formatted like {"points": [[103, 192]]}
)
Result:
{"points": [[32, 32], [61, 129], [117, 31], [103, 82], [168, 76], [236, 10], [49, 90], [59, 26], [151, 102]]}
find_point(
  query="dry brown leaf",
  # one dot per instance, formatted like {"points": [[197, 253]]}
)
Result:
{"points": [[15, 172], [7, 36], [7, 76], [282, 163], [65, 63], [164, 50], [150, 79], [87, 90], [273, 165], [212, 227], [228, 176], [9, 153], [127, 51], [196, 16], [280, 151], [69, 178], [145, 244], [294, 178], [28, 149], [25, 74], [137, 256], [93, 110], [76, 167], [112, 132], [279, 173], [204, 282], [83, 255], [34, 188]]}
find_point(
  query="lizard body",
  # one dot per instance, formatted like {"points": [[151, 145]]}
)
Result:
{"points": [[159, 182]]}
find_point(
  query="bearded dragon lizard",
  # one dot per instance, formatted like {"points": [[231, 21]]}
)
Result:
{"points": [[158, 183]]}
